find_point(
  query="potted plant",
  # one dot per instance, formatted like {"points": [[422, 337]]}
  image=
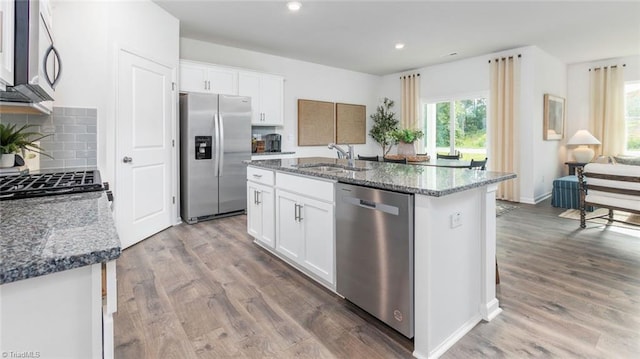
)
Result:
{"points": [[384, 122], [405, 139], [13, 140]]}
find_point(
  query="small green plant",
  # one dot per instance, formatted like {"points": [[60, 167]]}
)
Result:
{"points": [[406, 135], [12, 140], [384, 121]]}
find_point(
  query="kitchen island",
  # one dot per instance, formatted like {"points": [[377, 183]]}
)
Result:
{"points": [[57, 276], [454, 233]]}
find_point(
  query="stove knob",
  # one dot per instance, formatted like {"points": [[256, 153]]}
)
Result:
{"points": [[105, 185]]}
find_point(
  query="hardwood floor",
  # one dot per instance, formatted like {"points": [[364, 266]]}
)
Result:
{"points": [[206, 291]]}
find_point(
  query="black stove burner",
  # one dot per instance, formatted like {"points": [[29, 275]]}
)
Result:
{"points": [[49, 184]]}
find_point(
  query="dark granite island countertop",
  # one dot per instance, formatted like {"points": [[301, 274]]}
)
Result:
{"points": [[425, 180], [40, 236]]}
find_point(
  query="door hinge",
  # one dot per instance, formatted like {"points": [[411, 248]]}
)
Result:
{"points": [[173, 86], [174, 199]]}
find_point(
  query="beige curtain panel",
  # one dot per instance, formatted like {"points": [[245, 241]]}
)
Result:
{"points": [[410, 101], [607, 109], [504, 105]]}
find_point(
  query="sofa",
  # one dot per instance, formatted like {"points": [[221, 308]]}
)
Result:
{"points": [[609, 185]]}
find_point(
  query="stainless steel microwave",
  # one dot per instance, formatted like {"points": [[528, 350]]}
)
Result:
{"points": [[37, 65]]}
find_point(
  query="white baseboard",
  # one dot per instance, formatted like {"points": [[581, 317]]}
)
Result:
{"points": [[451, 340]]}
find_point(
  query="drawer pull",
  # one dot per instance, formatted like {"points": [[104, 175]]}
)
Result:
{"points": [[257, 176]]}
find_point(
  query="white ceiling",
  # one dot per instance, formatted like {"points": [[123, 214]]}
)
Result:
{"points": [[360, 35]]}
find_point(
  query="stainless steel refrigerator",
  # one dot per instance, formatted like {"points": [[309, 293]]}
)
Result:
{"points": [[215, 137]]}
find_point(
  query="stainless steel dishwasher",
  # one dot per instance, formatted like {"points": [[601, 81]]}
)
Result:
{"points": [[374, 253]]}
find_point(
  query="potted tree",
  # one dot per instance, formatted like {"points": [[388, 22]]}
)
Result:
{"points": [[405, 139], [384, 122], [13, 140]]}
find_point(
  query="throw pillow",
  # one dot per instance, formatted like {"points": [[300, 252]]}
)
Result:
{"points": [[627, 160]]}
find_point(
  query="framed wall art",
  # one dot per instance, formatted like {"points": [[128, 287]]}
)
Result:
{"points": [[554, 109]]}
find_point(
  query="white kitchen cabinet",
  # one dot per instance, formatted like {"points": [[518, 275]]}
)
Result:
{"points": [[305, 226], [261, 206], [197, 77], [267, 97], [260, 213], [7, 11]]}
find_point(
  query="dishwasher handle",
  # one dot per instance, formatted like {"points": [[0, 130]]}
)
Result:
{"points": [[383, 207]]}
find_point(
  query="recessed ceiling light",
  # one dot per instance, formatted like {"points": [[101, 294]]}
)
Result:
{"points": [[294, 5], [399, 46]]}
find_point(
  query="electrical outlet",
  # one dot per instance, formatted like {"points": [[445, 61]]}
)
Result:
{"points": [[456, 220]]}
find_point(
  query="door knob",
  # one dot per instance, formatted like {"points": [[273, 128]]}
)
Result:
{"points": [[127, 159]]}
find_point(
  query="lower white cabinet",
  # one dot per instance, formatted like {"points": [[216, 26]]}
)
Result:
{"points": [[260, 213], [305, 233]]}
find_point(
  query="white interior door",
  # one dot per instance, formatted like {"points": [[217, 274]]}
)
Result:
{"points": [[143, 197]]}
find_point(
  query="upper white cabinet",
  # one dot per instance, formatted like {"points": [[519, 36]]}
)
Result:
{"points": [[7, 12], [267, 97], [197, 77]]}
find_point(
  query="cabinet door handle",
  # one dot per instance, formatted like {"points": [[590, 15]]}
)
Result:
{"points": [[258, 197], [205, 84], [255, 200], [300, 213], [295, 212]]}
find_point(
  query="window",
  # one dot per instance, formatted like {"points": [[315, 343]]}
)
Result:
{"points": [[632, 117], [457, 125]]}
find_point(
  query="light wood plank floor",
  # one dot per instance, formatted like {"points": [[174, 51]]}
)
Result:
{"points": [[206, 291]]}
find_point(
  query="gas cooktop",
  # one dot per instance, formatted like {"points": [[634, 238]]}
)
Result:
{"points": [[49, 184]]}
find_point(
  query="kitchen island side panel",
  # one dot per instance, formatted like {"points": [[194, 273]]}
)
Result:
{"points": [[449, 276], [53, 316]]}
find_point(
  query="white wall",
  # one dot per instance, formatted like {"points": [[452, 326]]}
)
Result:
{"points": [[89, 34], [84, 78], [303, 80], [578, 92], [540, 74]]}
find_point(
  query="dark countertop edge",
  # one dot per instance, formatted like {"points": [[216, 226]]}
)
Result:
{"points": [[426, 192], [41, 268]]}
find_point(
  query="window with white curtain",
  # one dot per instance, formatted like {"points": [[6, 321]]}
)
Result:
{"points": [[632, 117], [456, 125]]}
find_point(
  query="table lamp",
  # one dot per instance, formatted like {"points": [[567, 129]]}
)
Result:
{"points": [[583, 139]]}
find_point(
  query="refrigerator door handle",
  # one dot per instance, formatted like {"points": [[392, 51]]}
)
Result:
{"points": [[221, 145], [216, 148]]}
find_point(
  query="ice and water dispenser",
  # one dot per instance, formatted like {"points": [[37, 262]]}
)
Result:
{"points": [[203, 147]]}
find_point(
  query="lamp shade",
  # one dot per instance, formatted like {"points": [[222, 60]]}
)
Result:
{"points": [[583, 137]]}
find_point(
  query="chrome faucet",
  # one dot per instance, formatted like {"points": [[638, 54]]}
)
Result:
{"points": [[347, 154]]}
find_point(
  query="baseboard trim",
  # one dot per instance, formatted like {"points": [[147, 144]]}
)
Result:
{"points": [[451, 340]]}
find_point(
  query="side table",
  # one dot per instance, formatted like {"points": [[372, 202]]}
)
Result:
{"points": [[573, 165]]}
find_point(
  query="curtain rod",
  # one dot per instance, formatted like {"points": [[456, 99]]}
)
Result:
{"points": [[504, 58], [404, 77], [605, 67]]}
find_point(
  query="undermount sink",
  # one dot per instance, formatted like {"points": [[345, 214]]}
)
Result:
{"points": [[331, 168]]}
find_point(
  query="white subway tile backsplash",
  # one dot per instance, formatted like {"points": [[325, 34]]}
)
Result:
{"points": [[75, 129], [73, 111], [82, 137], [78, 162], [75, 146], [74, 135], [63, 155], [64, 137]]}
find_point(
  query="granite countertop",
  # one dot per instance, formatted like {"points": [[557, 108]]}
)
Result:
{"points": [[45, 235], [271, 153], [410, 178]]}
